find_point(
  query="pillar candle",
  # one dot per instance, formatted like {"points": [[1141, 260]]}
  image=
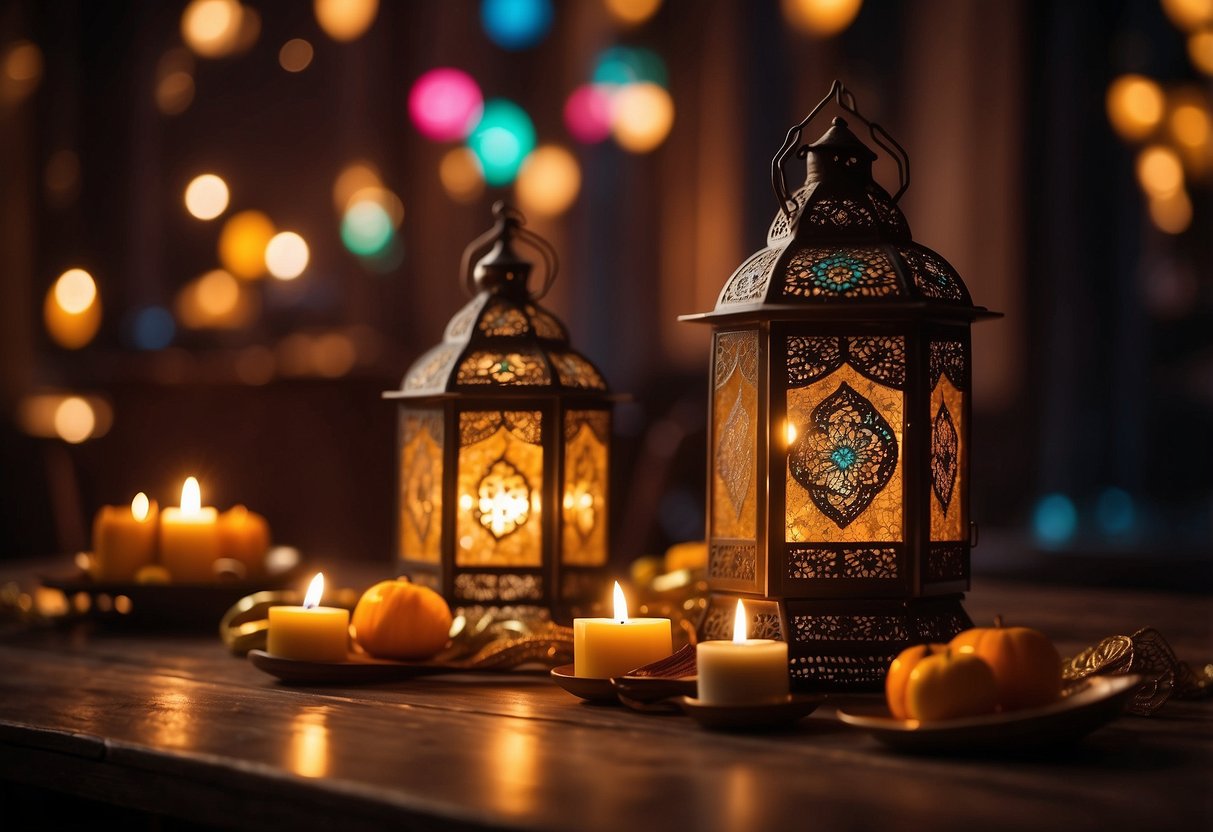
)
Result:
{"points": [[245, 536], [311, 632], [124, 539], [189, 537], [606, 647], [744, 671]]}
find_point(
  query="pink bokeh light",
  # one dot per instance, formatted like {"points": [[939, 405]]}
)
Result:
{"points": [[445, 104], [587, 113]]}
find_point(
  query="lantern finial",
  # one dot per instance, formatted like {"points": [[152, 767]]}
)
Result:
{"points": [[490, 262]]}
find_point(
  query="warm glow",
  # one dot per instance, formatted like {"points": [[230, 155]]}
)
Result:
{"points": [[644, 114], [309, 749], [1172, 213], [621, 604], [548, 182], [790, 432], [140, 506], [1190, 125], [206, 196], [1159, 171], [22, 70], [1200, 50], [191, 498], [1135, 106], [39, 415], [821, 18], [345, 20], [739, 623], [74, 420], [315, 591], [295, 55], [75, 291], [461, 176], [215, 300], [632, 12], [212, 27], [1189, 14], [356, 177], [175, 92], [385, 199], [286, 255], [333, 355], [218, 293], [242, 243]]}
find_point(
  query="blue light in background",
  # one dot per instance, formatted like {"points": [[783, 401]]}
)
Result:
{"points": [[1054, 520], [516, 24], [1114, 512], [153, 328], [502, 140]]}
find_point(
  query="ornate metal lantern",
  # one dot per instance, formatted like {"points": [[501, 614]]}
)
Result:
{"points": [[838, 484], [504, 444]]}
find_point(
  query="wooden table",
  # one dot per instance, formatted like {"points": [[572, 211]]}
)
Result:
{"points": [[178, 727]]}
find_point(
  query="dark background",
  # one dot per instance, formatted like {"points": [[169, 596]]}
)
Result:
{"points": [[1096, 386]]}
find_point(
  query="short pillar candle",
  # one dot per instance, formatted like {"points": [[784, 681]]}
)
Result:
{"points": [[744, 671], [606, 647], [311, 632]]}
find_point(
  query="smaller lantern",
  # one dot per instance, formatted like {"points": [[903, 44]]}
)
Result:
{"points": [[504, 444]]}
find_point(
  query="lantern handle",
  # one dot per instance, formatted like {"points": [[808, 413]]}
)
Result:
{"points": [[510, 225], [846, 100]]}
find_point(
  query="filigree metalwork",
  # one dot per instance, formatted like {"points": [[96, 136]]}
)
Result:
{"points": [[597, 421], [1148, 653], [947, 358], [945, 446], [420, 483], [735, 455], [806, 562], [546, 325], [506, 588], [719, 624], [735, 561], [849, 627], [844, 214], [507, 369], [888, 214], [945, 562], [811, 358], [575, 371], [461, 325], [431, 368], [736, 352], [841, 670], [581, 504], [478, 425], [766, 625], [781, 226], [933, 276], [940, 627], [503, 499], [880, 358], [840, 273], [845, 456], [750, 281], [503, 319]]}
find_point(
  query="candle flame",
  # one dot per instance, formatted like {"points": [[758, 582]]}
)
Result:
{"points": [[315, 591], [739, 623], [191, 498], [621, 604], [140, 507]]}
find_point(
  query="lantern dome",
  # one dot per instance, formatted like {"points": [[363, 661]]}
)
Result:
{"points": [[503, 338]]}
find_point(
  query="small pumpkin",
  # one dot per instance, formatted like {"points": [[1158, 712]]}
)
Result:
{"points": [[898, 677], [1026, 665], [401, 620], [950, 685]]}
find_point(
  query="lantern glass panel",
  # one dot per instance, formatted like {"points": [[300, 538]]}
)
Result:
{"points": [[521, 368], [585, 480], [949, 432], [499, 521], [735, 436], [844, 432], [421, 436]]}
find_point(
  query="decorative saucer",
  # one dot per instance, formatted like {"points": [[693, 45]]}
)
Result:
{"points": [[356, 670], [767, 715], [587, 688]]}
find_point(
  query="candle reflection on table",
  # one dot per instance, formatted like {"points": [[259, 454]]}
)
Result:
{"points": [[308, 752], [513, 774]]}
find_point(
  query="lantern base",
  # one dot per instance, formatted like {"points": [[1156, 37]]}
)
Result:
{"points": [[839, 644]]}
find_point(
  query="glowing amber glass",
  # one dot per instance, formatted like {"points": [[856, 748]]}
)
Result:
{"points": [[421, 485], [735, 435], [499, 519], [585, 480], [948, 462]]}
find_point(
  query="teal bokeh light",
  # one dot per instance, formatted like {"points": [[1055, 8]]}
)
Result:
{"points": [[516, 24], [1055, 520], [621, 65], [366, 228], [502, 140]]}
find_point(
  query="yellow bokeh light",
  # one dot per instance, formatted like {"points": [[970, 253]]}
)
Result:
{"points": [[632, 12], [345, 20], [1159, 171], [75, 291], [1189, 14], [1190, 124], [821, 18], [549, 181], [74, 420], [286, 255], [215, 301], [295, 55], [1200, 50], [206, 196], [1171, 213], [218, 293], [72, 310], [212, 28], [643, 116], [175, 93], [355, 177], [461, 176], [242, 244], [36, 413], [1135, 106]]}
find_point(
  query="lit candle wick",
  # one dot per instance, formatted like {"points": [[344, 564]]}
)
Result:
{"points": [[739, 624], [191, 498], [315, 592], [621, 605]]}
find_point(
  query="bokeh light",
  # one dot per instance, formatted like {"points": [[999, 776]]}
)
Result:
{"points": [[218, 293], [250, 29], [366, 228], [216, 300], [22, 66], [461, 176], [1114, 512], [72, 309], [1200, 50], [1191, 126], [1135, 106], [587, 113], [821, 18], [445, 104], [175, 81], [516, 24], [74, 420], [295, 55], [502, 140], [212, 27], [621, 65], [548, 182], [286, 255], [1189, 14], [1054, 520], [37, 414], [242, 244], [75, 291], [1171, 213], [152, 328], [642, 118], [345, 20], [385, 199], [206, 196], [354, 177], [333, 354], [1159, 171], [632, 12]]}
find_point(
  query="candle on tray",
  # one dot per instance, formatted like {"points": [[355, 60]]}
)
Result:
{"points": [[309, 633], [743, 671], [606, 647], [245, 536], [189, 537], [124, 539]]}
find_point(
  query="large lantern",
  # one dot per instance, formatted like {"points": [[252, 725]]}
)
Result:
{"points": [[504, 444], [838, 485]]}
